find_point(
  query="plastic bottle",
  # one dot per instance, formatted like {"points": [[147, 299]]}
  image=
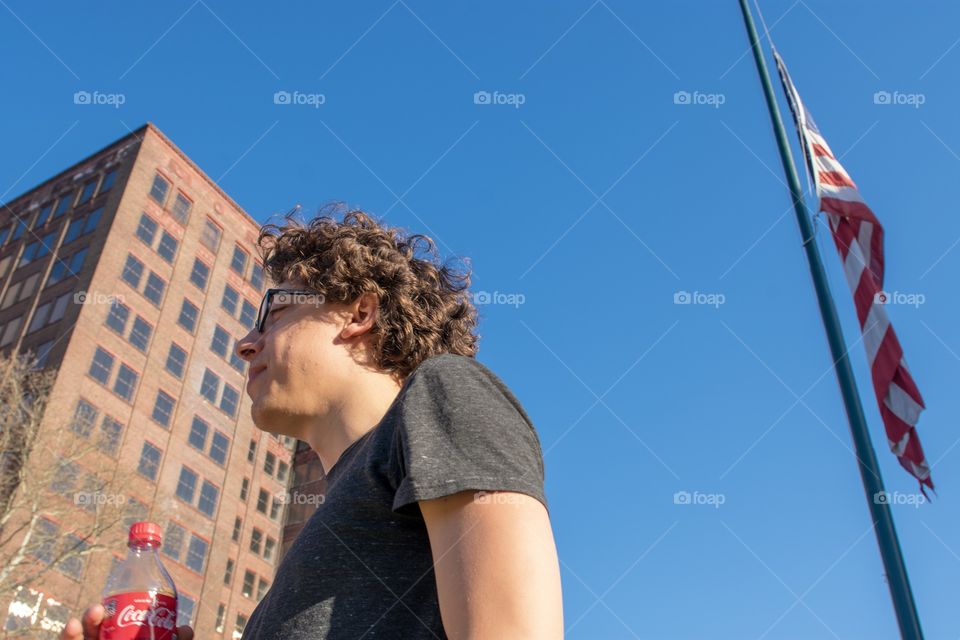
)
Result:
{"points": [[140, 598]]}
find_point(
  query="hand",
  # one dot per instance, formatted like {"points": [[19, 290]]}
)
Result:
{"points": [[88, 628]]}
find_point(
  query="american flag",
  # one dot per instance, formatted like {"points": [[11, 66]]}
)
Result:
{"points": [[859, 239]]}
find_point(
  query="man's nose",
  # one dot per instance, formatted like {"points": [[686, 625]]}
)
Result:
{"points": [[249, 345]]}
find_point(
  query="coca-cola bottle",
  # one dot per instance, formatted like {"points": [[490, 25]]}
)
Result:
{"points": [[140, 598]]}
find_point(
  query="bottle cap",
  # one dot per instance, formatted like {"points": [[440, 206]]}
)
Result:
{"points": [[144, 533]]}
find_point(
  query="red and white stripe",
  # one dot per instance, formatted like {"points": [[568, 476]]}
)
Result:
{"points": [[858, 236]]}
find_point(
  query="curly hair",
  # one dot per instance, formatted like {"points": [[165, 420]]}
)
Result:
{"points": [[425, 307]]}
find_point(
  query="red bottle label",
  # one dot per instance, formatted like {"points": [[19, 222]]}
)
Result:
{"points": [[138, 615]]}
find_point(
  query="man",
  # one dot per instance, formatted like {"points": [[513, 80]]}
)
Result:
{"points": [[434, 522]]}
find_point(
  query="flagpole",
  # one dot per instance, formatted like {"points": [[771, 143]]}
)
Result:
{"points": [[890, 552]]}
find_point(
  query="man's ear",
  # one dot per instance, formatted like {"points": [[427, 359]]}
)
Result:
{"points": [[363, 314]]}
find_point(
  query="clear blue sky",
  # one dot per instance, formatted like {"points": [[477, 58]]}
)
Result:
{"points": [[692, 397]]}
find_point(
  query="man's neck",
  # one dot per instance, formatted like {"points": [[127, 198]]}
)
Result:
{"points": [[358, 413]]}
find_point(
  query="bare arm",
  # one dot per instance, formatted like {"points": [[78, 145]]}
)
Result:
{"points": [[496, 565]]}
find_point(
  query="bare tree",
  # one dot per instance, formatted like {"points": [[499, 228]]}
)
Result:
{"points": [[47, 478]]}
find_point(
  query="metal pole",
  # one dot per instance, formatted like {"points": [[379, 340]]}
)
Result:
{"points": [[890, 552]]}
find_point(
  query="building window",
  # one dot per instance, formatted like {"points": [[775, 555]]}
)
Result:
{"points": [[241, 623], [102, 366], [245, 488], [140, 334], [262, 587], [176, 360], [220, 342], [221, 614], [282, 469], [256, 540], [87, 192], [252, 451], [40, 316], [181, 209], [163, 408], [187, 485], [249, 578], [262, 499], [230, 400], [82, 225], [188, 316], [117, 318], [275, 506], [237, 524], [72, 565], [228, 574], [210, 386], [230, 300], [238, 363], [268, 547], [211, 235], [159, 189], [126, 382], [168, 247], [173, 541], [84, 417], [41, 220], [218, 448], [256, 276], [200, 274], [132, 272], [11, 331], [154, 289], [209, 493], [149, 461], [147, 229], [108, 179], [248, 315], [110, 432], [185, 608], [66, 201], [269, 463], [196, 553], [198, 433], [239, 261]]}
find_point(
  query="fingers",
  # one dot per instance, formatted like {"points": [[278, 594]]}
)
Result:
{"points": [[184, 633], [92, 618], [72, 630]]}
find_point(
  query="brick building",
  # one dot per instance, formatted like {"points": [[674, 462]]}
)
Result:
{"points": [[133, 274]]}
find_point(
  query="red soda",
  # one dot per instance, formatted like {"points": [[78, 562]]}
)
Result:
{"points": [[140, 598]]}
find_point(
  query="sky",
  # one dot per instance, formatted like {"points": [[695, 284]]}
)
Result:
{"points": [[594, 160]]}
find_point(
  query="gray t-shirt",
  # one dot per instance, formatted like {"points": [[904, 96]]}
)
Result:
{"points": [[362, 567]]}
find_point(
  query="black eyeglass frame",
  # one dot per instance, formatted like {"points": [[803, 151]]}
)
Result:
{"points": [[268, 298]]}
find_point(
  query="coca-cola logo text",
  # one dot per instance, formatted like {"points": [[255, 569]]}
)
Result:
{"points": [[161, 617]]}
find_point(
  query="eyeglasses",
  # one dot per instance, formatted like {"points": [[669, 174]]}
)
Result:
{"points": [[284, 296]]}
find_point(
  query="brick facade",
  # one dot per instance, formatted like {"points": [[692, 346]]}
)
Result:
{"points": [[71, 343]]}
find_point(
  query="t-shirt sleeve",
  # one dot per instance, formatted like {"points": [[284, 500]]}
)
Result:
{"points": [[462, 429]]}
